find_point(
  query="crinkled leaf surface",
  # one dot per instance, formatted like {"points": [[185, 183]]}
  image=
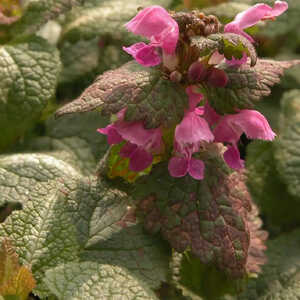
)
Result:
{"points": [[73, 139], [38, 12], [93, 36], [106, 17], [267, 188], [207, 217], [70, 218], [143, 91], [246, 85], [229, 44], [89, 280], [287, 151], [28, 74], [280, 276]]}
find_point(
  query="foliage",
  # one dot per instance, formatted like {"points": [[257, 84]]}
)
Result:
{"points": [[77, 222]]}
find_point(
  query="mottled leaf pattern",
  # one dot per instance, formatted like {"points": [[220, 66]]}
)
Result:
{"points": [[247, 85], [208, 217], [70, 218], [146, 95]]}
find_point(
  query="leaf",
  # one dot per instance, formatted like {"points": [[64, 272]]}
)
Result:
{"points": [[246, 86], [267, 188], [73, 139], [208, 217], [280, 276], [68, 218], [103, 17], [28, 73], [146, 95], [87, 280], [229, 44], [287, 144], [15, 280], [38, 12]]}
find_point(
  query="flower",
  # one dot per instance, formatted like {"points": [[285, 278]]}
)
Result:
{"points": [[141, 142], [253, 15], [154, 23], [189, 135], [230, 128]]}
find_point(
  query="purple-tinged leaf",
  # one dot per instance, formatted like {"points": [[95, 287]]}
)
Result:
{"points": [[209, 217], [246, 85], [143, 91]]}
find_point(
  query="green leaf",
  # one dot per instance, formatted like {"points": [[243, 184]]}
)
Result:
{"points": [[143, 91], [93, 36], [287, 152], [28, 74], [68, 218], [267, 188], [73, 139], [229, 44], [38, 12], [246, 86], [89, 280], [208, 217], [103, 17], [280, 276]]}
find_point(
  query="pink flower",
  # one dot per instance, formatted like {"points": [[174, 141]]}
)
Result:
{"points": [[189, 135], [251, 122], [253, 15], [154, 23], [230, 128], [141, 142]]}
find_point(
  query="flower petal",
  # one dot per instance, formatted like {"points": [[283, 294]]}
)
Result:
{"points": [[210, 115], [232, 158], [253, 123], [253, 15], [194, 98], [178, 166], [196, 168], [192, 130], [113, 137], [144, 54], [127, 150], [140, 159], [158, 26]]}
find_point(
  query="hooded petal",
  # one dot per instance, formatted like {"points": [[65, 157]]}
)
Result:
{"points": [[140, 159], [251, 122], [192, 130], [113, 137], [158, 26], [253, 15], [196, 168], [144, 54], [232, 158], [178, 166]]}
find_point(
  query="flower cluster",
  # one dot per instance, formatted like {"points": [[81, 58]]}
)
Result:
{"points": [[201, 124]]}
